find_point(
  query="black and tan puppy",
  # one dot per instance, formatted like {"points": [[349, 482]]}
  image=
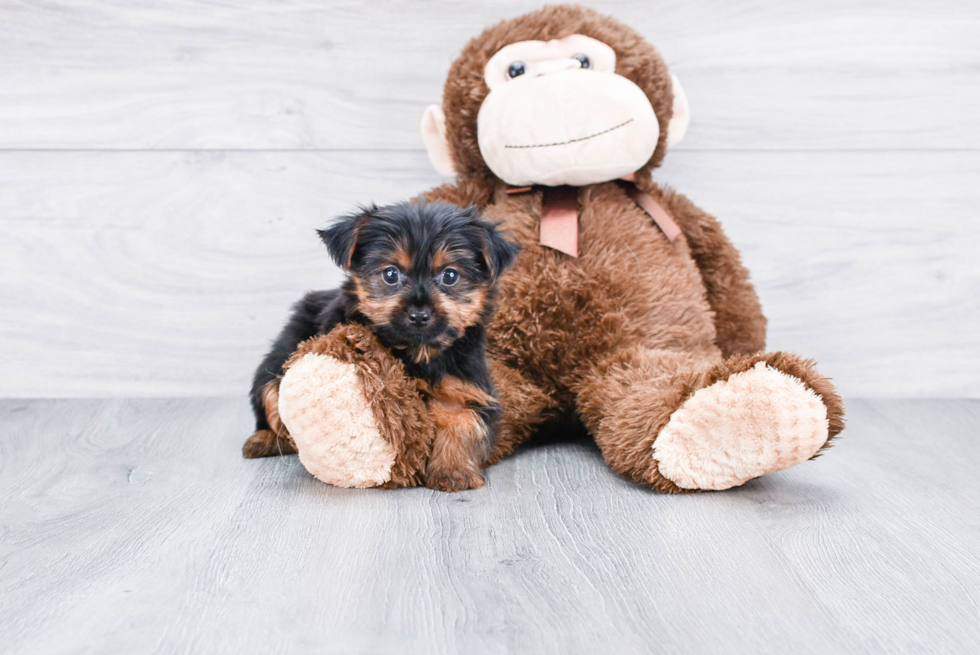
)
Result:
{"points": [[422, 277]]}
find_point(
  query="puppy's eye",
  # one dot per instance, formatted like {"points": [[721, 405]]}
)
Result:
{"points": [[390, 275], [582, 59], [450, 276], [516, 69]]}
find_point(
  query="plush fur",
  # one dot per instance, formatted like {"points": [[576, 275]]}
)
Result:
{"points": [[422, 278], [631, 330], [636, 329]]}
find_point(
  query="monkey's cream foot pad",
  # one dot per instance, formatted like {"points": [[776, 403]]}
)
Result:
{"points": [[755, 422], [322, 404]]}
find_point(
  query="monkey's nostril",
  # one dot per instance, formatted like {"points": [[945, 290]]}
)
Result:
{"points": [[419, 316]]}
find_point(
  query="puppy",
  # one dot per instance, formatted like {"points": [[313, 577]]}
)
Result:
{"points": [[422, 277]]}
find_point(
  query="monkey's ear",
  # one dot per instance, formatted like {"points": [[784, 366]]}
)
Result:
{"points": [[498, 251], [341, 238], [434, 136], [681, 117]]}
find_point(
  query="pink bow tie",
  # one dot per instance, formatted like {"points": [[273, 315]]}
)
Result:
{"points": [[559, 216]]}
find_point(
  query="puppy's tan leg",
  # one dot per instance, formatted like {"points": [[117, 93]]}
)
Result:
{"points": [[464, 416], [270, 443]]}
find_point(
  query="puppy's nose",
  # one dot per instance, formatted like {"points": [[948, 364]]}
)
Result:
{"points": [[419, 316]]}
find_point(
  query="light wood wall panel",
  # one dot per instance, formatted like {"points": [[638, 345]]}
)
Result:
{"points": [[305, 74], [142, 273], [163, 165]]}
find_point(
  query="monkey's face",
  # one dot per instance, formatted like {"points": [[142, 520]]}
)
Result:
{"points": [[562, 95], [558, 113]]}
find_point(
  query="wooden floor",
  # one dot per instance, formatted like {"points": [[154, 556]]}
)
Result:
{"points": [[135, 526]]}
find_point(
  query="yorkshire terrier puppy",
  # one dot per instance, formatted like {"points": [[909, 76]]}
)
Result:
{"points": [[422, 277]]}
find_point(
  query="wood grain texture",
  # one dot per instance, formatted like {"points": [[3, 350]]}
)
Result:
{"points": [[169, 273], [135, 526], [297, 74], [837, 143]]}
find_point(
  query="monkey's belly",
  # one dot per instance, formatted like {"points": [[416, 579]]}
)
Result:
{"points": [[628, 288]]}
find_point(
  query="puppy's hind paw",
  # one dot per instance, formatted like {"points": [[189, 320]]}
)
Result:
{"points": [[265, 443], [453, 481]]}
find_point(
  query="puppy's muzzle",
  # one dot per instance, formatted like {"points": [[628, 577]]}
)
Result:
{"points": [[419, 316]]}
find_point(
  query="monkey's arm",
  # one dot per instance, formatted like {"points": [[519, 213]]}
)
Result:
{"points": [[739, 322]]}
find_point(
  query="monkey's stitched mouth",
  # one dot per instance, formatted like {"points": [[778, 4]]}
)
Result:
{"points": [[581, 138]]}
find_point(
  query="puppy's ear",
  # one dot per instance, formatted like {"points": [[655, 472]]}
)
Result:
{"points": [[498, 251], [341, 237]]}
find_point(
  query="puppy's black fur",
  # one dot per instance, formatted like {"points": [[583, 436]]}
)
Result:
{"points": [[422, 276]]}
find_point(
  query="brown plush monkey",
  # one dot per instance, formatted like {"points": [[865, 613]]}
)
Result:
{"points": [[652, 339]]}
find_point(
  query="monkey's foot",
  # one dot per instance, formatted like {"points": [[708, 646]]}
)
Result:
{"points": [[355, 417], [754, 422], [338, 439]]}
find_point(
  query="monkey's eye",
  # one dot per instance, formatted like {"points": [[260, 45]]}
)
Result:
{"points": [[516, 69], [582, 59], [390, 275], [450, 276]]}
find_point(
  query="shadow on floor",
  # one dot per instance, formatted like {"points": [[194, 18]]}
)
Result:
{"points": [[566, 431]]}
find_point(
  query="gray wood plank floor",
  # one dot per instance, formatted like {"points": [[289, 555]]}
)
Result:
{"points": [[135, 526]]}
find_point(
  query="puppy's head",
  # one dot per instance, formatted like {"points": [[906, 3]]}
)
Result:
{"points": [[423, 272]]}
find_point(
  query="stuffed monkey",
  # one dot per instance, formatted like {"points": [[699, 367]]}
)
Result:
{"points": [[628, 309]]}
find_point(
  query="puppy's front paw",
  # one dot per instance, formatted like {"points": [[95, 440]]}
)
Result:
{"points": [[453, 480]]}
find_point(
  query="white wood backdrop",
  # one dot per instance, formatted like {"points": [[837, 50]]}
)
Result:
{"points": [[163, 166]]}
